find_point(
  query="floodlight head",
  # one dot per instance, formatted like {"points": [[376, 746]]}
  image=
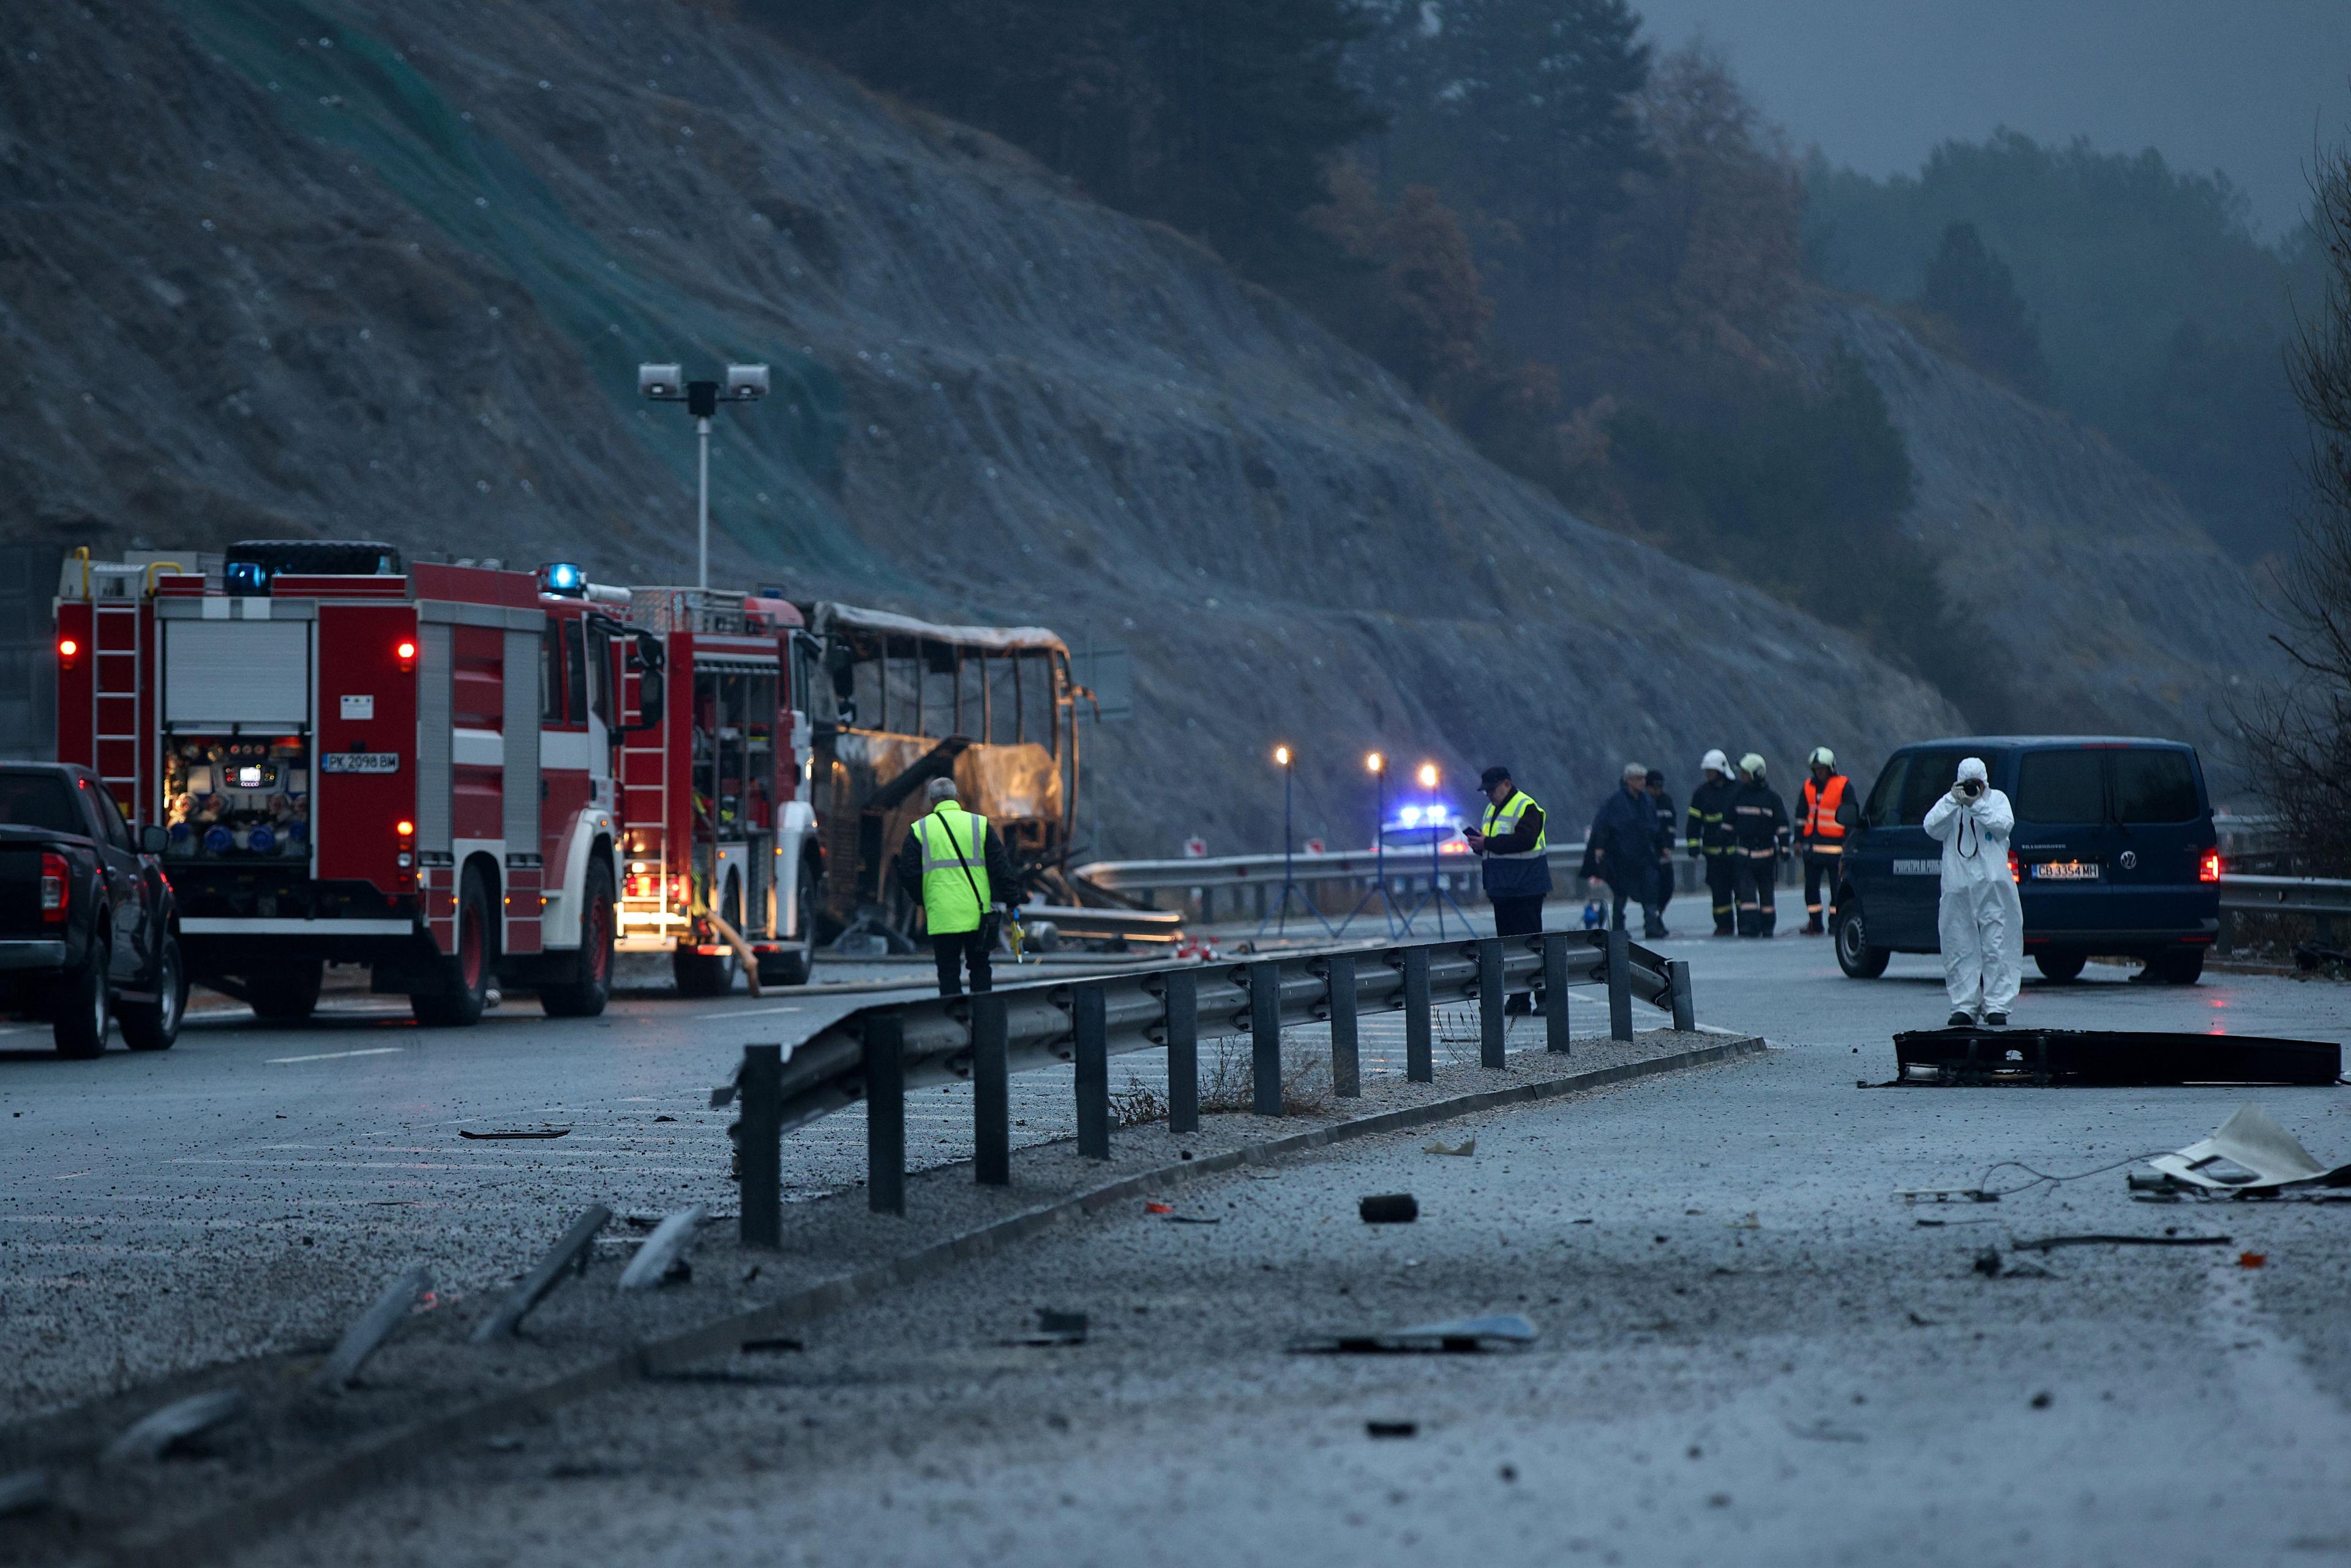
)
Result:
{"points": [[1376, 762], [1281, 756], [746, 383], [661, 383], [1428, 775]]}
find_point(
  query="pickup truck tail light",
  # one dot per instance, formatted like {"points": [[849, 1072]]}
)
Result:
{"points": [[57, 889], [2209, 868]]}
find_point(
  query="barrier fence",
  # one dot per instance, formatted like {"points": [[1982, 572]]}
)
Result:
{"points": [[878, 1053]]}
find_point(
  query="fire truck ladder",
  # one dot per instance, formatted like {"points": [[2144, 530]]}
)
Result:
{"points": [[118, 654]]}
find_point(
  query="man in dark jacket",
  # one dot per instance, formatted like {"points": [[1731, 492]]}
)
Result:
{"points": [[1622, 849], [1760, 818], [959, 882], [1712, 839], [1663, 802]]}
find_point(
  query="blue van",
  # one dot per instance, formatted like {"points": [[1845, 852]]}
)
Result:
{"points": [[2114, 853]]}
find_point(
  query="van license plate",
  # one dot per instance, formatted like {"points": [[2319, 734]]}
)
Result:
{"points": [[2066, 870]]}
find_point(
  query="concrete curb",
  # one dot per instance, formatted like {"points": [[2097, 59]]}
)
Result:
{"points": [[240, 1523]]}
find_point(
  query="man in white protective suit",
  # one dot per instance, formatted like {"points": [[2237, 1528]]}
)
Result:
{"points": [[1982, 920]]}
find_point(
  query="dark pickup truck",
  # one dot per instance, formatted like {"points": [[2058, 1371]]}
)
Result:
{"points": [[88, 932]]}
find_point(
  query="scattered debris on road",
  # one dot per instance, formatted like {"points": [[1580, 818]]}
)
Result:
{"points": [[2248, 1153], [372, 1327], [1945, 1195], [1457, 1337], [158, 1433], [568, 1255], [1389, 1208], [1056, 1328], [1824, 1431], [769, 1346], [2253, 1259], [664, 1252], [2047, 1243], [507, 1133], [2137, 1058], [1992, 1266], [1390, 1428], [1467, 1146]]}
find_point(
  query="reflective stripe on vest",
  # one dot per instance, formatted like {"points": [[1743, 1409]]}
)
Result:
{"points": [[951, 839], [1503, 820], [1820, 809]]}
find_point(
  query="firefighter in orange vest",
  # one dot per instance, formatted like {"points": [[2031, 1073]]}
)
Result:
{"points": [[1826, 812]]}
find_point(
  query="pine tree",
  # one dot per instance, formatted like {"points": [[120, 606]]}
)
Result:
{"points": [[1973, 289]]}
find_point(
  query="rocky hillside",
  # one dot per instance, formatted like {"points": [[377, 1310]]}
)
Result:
{"points": [[2096, 603], [269, 267]]}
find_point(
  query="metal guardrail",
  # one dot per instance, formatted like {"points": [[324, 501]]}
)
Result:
{"points": [[2286, 895], [878, 1053], [1331, 865]]}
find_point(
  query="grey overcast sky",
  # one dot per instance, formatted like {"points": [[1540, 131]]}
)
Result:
{"points": [[2241, 86]]}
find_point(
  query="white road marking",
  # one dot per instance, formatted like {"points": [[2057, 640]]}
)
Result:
{"points": [[749, 1012], [336, 1055]]}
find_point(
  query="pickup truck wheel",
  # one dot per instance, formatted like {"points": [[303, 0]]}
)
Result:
{"points": [[82, 1008], [154, 1026], [1855, 956], [287, 992], [583, 992], [463, 992]]}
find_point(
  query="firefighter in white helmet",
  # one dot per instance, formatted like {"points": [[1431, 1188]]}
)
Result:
{"points": [[1708, 834], [1981, 921], [1826, 811]]}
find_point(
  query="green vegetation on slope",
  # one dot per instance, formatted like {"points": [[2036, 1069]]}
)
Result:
{"points": [[2163, 319]]}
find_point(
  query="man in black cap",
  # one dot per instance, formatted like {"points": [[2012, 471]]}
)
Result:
{"points": [[1511, 850]]}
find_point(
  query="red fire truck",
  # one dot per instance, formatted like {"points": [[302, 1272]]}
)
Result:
{"points": [[358, 761], [722, 859]]}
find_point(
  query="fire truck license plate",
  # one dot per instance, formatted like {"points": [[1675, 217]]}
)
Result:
{"points": [[360, 762]]}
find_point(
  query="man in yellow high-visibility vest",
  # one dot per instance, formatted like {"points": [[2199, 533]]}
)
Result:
{"points": [[957, 865]]}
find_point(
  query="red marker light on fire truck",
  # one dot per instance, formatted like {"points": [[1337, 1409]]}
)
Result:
{"points": [[405, 652], [2209, 868], [406, 833], [69, 651]]}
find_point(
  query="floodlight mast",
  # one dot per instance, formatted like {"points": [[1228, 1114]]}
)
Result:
{"points": [[663, 384]]}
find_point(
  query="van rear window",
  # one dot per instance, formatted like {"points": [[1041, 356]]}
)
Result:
{"points": [[2154, 786], [42, 800], [2060, 786]]}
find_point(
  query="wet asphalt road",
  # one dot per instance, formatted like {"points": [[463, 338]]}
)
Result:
{"points": [[1750, 1351]]}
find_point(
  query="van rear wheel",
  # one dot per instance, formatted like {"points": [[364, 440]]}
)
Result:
{"points": [[2061, 966]]}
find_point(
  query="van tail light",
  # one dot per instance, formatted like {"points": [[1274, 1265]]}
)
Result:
{"points": [[2015, 869], [57, 889], [2209, 868]]}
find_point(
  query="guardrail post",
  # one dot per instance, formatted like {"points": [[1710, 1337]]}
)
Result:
{"points": [[991, 1093], [1088, 1011], [1265, 1036], [1183, 1051], [1420, 1057], [885, 1114], [1346, 1060], [1554, 968], [1677, 971], [762, 1145], [1489, 1001], [1620, 984]]}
